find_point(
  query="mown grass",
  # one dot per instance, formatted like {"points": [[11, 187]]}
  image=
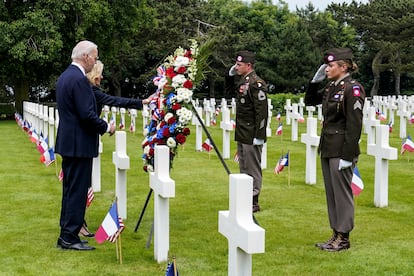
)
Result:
{"points": [[294, 216]]}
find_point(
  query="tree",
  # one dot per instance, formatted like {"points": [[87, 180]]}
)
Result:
{"points": [[385, 31]]}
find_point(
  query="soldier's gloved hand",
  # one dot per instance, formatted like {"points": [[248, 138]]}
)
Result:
{"points": [[232, 71], [258, 142], [343, 164], [320, 75]]}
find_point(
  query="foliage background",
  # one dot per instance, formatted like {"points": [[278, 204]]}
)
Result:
{"points": [[294, 215], [36, 38]]}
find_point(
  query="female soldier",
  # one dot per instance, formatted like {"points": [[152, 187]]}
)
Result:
{"points": [[342, 103]]}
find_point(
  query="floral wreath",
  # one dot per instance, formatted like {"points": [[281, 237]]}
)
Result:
{"points": [[171, 104]]}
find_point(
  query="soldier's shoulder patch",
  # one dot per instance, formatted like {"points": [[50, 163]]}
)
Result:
{"points": [[261, 95], [356, 90]]}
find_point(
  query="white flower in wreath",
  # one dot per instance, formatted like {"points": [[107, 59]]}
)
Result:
{"points": [[178, 80], [181, 61], [150, 168], [171, 142], [184, 94], [185, 115]]}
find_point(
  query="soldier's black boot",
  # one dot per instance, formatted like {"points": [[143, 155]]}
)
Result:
{"points": [[340, 243], [323, 245], [256, 206]]}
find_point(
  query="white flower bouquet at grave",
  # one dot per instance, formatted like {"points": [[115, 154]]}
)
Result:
{"points": [[171, 104]]}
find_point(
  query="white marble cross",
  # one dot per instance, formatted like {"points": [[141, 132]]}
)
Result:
{"points": [[244, 236], [233, 106], [295, 118], [121, 161], [207, 111], [96, 169], [106, 113], [145, 115], [370, 125], [122, 122], [45, 121], [404, 116], [301, 105], [311, 139], [227, 128], [288, 109], [382, 152], [133, 113], [114, 110], [199, 129], [51, 127], [164, 188]]}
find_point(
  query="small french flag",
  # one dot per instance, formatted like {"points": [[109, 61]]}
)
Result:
{"points": [[357, 185], [109, 226]]}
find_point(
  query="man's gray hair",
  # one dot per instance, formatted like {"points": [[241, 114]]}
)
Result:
{"points": [[83, 47]]}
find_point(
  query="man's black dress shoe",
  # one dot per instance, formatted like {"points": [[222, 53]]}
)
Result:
{"points": [[75, 246]]}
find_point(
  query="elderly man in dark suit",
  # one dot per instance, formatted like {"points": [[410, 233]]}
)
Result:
{"points": [[77, 141]]}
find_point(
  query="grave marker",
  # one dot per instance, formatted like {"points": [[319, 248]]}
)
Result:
{"points": [[244, 236]]}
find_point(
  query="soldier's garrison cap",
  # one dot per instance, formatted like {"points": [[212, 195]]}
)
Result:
{"points": [[335, 54], [245, 56]]}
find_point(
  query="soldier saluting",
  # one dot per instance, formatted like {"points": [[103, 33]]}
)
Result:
{"points": [[342, 103], [251, 119]]}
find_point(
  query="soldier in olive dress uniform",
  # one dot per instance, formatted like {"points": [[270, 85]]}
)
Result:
{"points": [[251, 119], [342, 104]]}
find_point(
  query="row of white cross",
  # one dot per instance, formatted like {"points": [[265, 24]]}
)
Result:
{"points": [[244, 236]]}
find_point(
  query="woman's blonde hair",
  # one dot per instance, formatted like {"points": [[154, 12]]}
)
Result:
{"points": [[96, 72], [351, 65]]}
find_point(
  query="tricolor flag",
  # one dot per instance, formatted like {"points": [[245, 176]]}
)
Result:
{"points": [[42, 145], [213, 122], [60, 177], [283, 162], [115, 236], [122, 123], [408, 145], [207, 145], [357, 185], [381, 117], [34, 137], [390, 124], [90, 197], [110, 224], [278, 116], [236, 157], [279, 129], [48, 157], [172, 269], [132, 127]]}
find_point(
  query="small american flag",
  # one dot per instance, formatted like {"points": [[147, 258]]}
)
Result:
{"points": [[91, 196], [115, 236]]}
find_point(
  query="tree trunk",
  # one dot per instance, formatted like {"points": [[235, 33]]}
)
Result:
{"points": [[212, 82], [21, 94], [376, 72]]}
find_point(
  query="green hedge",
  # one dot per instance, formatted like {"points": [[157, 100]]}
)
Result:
{"points": [[7, 111], [279, 101]]}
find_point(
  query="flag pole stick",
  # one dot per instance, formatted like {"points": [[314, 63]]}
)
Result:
{"points": [[175, 267], [143, 210], [120, 248], [289, 160]]}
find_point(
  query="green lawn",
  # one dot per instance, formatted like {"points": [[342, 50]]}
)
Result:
{"points": [[294, 216]]}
